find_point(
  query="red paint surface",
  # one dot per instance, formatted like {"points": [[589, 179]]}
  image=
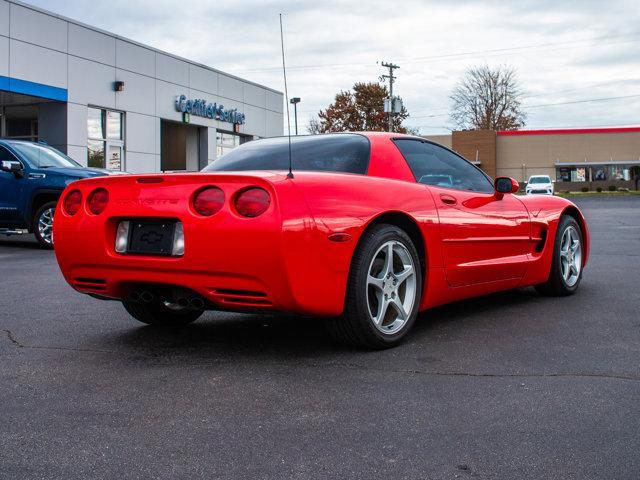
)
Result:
{"points": [[284, 259], [567, 131]]}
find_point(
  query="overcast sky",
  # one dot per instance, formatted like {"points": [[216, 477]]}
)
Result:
{"points": [[564, 51]]}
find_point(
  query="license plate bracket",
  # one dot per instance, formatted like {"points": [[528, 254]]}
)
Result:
{"points": [[151, 237]]}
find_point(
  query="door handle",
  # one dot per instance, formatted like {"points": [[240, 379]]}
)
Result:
{"points": [[448, 199]]}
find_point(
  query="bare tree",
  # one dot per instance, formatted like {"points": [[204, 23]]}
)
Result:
{"points": [[488, 99]]}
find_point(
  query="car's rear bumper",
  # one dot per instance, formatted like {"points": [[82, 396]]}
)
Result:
{"points": [[266, 262], [229, 267]]}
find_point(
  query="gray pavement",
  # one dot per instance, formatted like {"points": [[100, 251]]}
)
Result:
{"points": [[509, 386]]}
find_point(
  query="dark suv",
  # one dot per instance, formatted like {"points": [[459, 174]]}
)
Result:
{"points": [[32, 177]]}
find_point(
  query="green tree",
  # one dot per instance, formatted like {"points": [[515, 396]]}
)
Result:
{"points": [[358, 110]]}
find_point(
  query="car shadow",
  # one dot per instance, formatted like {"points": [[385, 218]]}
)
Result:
{"points": [[219, 336], [21, 241]]}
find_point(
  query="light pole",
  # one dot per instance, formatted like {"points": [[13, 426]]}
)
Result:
{"points": [[295, 101]]}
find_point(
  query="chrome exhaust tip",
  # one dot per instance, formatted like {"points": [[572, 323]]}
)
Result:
{"points": [[146, 296], [197, 303]]}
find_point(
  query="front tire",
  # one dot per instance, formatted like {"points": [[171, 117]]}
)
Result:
{"points": [[383, 291], [158, 314], [566, 266], [43, 225]]}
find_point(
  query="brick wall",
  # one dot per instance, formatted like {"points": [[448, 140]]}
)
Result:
{"points": [[477, 145]]}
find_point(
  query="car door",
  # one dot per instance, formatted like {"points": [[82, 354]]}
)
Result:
{"points": [[485, 236], [11, 189]]}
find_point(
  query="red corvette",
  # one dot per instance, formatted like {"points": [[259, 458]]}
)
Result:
{"points": [[369, 230]]}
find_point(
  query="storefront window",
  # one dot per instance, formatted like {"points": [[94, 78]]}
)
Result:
{"points": [[611, 172], [95, 154], [571, 174], [105, 144], [600, 173], [226, 142], [620, 172], [594, 173]]}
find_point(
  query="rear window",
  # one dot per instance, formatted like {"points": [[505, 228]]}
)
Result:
{"points": [[346, 153]]}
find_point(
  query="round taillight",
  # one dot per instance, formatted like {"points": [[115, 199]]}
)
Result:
{"points": [[72, 202], [98, 200], [208, 201], [252, 202]]}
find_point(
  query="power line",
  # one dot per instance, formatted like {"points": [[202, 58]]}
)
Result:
{"points": [[586, 100], [458, 54], [440, 113]]}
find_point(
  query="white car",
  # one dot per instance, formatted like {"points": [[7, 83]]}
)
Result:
{"points": [[540, 184]]}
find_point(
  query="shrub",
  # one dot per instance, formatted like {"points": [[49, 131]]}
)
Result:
{"points": [[584, 189], [599, 189], [612, 188]]}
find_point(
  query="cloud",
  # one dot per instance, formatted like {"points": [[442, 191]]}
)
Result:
{"points": [[582, 49]]}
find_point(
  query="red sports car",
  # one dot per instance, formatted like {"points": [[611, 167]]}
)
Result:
{"points": [[369, 230]]}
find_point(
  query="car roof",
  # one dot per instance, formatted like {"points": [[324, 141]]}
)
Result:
{"points": [[11, 141], [365, 134]]}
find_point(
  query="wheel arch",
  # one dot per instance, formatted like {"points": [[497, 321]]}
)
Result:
{"points": [[573, 211], [409, 225], [39, 199]]}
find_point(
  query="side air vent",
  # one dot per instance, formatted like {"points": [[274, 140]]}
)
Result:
{"points": [[541, 241]]}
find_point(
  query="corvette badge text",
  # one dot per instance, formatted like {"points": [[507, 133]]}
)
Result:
{"points": [[201, 108], [146, 201]]}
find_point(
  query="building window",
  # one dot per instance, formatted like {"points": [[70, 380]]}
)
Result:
{"points": [[105, 144], [571, 174], [594, 173], [226, 142]]}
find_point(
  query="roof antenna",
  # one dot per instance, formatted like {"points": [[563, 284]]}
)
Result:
{"points": [[286, 94]]}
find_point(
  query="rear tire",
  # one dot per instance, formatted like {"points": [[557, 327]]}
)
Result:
{"points": [[156, 313], [566, 266], [43, 225], [383, 291]]}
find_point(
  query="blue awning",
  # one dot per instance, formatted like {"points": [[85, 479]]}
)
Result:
{"points": [[34, 89]]}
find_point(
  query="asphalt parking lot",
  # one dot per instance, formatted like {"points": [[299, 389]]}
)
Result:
{"points": [[509, 386]]}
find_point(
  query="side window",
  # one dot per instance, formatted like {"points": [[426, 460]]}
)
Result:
{"points": [[6, 154], [434, 165]]}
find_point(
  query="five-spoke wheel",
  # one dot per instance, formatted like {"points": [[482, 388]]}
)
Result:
{"points": [[384, 290], [570, 256], [566, 265], [391, 287]]}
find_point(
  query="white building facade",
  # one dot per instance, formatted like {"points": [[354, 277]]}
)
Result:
{"points": [[110, 102]]}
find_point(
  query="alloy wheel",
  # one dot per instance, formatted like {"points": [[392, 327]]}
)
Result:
{"points": [[45, 225], [391, 287], [570, 256]]}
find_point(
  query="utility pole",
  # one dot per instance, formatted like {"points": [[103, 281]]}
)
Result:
{"points": [[391, 78], [295, 101]]}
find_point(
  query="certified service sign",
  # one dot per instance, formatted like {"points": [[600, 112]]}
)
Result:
{"points": [[201, 108]]}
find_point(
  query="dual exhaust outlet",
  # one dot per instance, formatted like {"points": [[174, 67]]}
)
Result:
{"points": [[173, 299]]}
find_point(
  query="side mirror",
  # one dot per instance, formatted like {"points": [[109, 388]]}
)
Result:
{"points": [[11, 166], [506, 185]]}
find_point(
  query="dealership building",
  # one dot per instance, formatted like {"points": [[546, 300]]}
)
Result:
{"points": [[111, 102], [575, 158]]}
